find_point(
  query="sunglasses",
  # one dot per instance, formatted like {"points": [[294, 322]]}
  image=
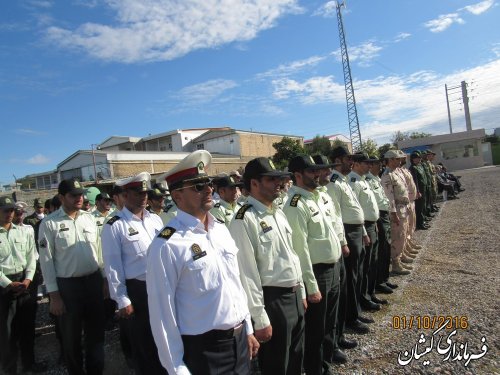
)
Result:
{"points": [[199, 187]]}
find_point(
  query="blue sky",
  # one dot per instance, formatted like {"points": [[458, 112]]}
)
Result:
{"points": [[74, 72]]}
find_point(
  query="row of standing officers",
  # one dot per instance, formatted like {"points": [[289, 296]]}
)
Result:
{"points": [[284, 277]]}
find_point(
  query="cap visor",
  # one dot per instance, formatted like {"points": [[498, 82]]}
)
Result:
{"points": [[276, 174], [77, 191]]}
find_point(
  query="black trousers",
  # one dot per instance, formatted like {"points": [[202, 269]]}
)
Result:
{"points": [[370, 263], [384, 248], [340, 326], [420, 211], [217, 353], [84, 304], [320, 336], [17, 326], [139, 333], [353, 265], [283, 354]]}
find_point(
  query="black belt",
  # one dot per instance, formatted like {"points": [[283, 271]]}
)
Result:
{"points": [[280, 289], [223, 334], [15, 276], [367, 222], [80, 277], [352, 225], [382, 212]]}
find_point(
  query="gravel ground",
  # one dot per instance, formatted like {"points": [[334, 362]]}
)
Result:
{"points": [[455, 274]]}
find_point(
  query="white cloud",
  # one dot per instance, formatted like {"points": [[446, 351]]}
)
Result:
{"points": [[363, 54], [414, 102], [443, 22], [158, 30], [496, 49], [28, 132], [401, 36], [38, 159], [327, 10], [288, 69], [480, 7], [205, 92], [45, 4]]}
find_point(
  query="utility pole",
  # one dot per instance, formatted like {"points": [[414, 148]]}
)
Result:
{"points": [[465, 100], [448, 106], [352, 112], [95, 169]]}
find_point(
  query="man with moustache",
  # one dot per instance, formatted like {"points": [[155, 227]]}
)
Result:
{"points": [[69, 258], [197, 305], [319, 250], [125, 241], [270, 271]]}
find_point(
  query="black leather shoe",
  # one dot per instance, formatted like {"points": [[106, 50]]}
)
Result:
{"points": [[358, 327], [383, 288], [338, 356], [366, 319], [379, 301], [347, 344], [370, 306], [36, 367], [391, 285], [422, 227]]}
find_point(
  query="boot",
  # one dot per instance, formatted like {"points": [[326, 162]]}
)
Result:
{"points": [[406, 266], [411, 251], [397, 269], [406, 259], [414, 244], [408, 254]]}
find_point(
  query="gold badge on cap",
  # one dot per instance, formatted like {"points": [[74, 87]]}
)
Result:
{"points": [[197, 252], [77, 185], [157, 192], [201, 167], [265, 228], [311, 160], [144, 185], [271, 164], [8, 201], [231, 179]]}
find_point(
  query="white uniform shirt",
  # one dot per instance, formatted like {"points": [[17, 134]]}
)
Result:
{"points": [[125, 242], [266, 256], [365, 196], [193, 285], [68, 247]]}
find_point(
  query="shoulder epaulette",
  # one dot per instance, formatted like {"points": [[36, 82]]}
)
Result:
{"points": [[334, 178], [219, 220], [241, 212], [353, 179], [295, 200], [217, 205], [167, 232], [168, 207], [113, 219]]}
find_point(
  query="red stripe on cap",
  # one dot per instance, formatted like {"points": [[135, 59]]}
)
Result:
{"points": [[179, 176]]}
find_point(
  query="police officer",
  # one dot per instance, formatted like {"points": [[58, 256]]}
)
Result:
{"points": [[319, 250], [340, 342], [225, 209], [420, 180], [355, 233], [125, 241], [156, 201], [197, 305], [383, 264], [395, 189], [17, 293], [270, 271], [366, 198], [37, 215], [69, 259]]}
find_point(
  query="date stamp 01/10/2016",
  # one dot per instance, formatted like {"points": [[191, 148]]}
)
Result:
{"points": [[443, 344]]}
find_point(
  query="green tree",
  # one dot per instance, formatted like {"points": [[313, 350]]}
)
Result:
{"points": [[370, 147], [319, 145], [399, 136], [286, 149], [384, 148], [415, 135]]}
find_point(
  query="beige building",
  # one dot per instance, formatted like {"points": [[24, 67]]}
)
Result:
{"points": [[333, 139], [456, 151]]}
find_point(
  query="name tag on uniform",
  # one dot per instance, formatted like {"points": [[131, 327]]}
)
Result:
{"points": [[197, 252], [265, 228], [63, 228]]}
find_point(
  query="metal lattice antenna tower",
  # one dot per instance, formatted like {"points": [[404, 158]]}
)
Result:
{"points": [[352, 112]]}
